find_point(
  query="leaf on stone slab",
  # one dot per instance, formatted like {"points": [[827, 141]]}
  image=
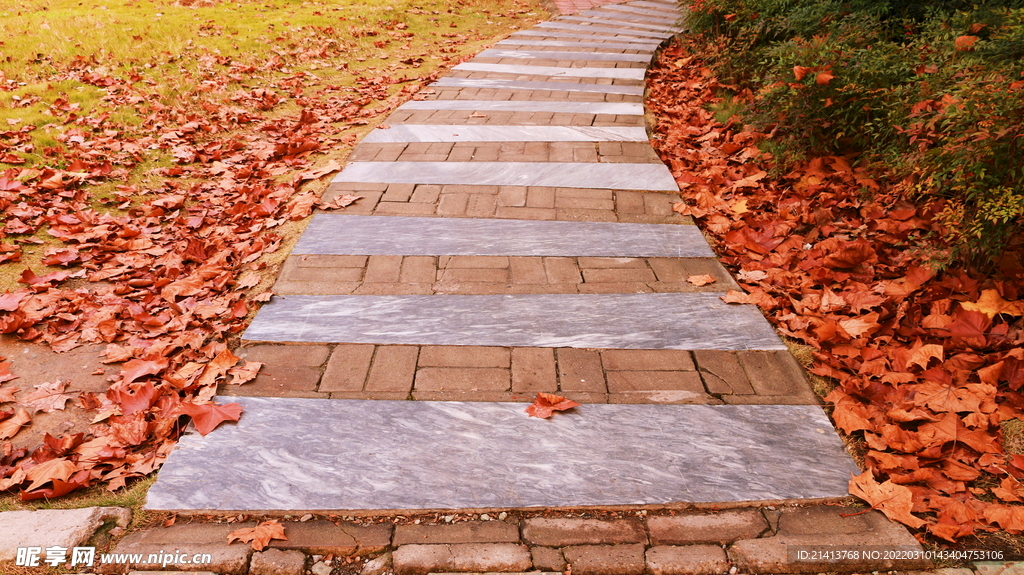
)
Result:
{"points": [[208, 416], [701, 280], [259, 537], [547, 404], [245, 372], [339, 202], [895, 501], [733, 296]]}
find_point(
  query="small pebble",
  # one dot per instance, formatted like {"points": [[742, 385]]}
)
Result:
{"points": [[321, 568], [485, 517], [448, 518], [417, 522], [502, 516], [306, 517]]}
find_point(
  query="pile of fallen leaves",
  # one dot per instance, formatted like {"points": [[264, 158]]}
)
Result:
{"points": [[164, 275], [927, 365]]}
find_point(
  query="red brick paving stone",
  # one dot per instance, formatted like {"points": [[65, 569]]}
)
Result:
{"points": [[418, 269], [624, 381], [687, 560], [460, 557], [646, 359], [562, 271], [463, 356], [474, 262], [467, 532], [292, 354], [462, 378], [279, 381], [527, 270], [347, 368], [823, 525], [618, 275], [720, 527], [580, 370], [533, 369], [325, 537], [187, 538], [547, 559], [774, 373], [393, 368], [562, 531], [468, 395], [722, 372], [383, 269], [606, 559], [585, 262], [668, 397], [486, 275]]}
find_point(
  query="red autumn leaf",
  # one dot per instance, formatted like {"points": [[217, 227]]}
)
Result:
{"points": [[824, 77], [10, 426], [29, 277], [5, 371], [59, 488], [895, 501], [208, 416], [701, 280], [965, 43], [547, 404], [260, 535], [136, 368], [48, 471], [141, 397], [799, 72], [47, 397]]}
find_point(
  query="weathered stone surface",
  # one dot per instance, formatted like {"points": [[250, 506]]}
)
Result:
{"points": [[326, 537], [824, 526], [468, 532], [687, 560], [706, 528], [547, 559], [994, 568], [606, 559], [561, 531], [277, 562], [190, 541], [378, 565], [462, 557], [54, 527]]}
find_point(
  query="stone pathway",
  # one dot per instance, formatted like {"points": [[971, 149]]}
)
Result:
{"points": [[514, 235]]}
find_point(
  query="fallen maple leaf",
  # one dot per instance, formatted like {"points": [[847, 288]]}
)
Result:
{"points": [[259, 537], [5, 372], [824, 77], [12, 425], [48, 471], [339, 202], [47, 397], [245, 373], [547, 404], [7, 394], [895, 501], [208, 416], [991, 304], [701, 280], [733, 296]]}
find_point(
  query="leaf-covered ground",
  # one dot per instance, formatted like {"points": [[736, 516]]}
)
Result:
{"points": [[927, 365], [154, 159]]}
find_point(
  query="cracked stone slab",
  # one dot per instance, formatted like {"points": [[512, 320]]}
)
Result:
{"points": [[650, 177], [553, 71], [320, 454], [615, 108], [555, 33], [44, 528], [691, 321], [449, 82], [338, 234], [402, 133], [521, 41], [601, 30], [542, 55], [606, 20]]}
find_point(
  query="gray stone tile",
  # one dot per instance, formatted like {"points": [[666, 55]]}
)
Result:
{"points": [[555, 33], [526, 41], [620, 11], [616, 108], [663, 6], [542, 55], [616, 321], [449, 82], [602, 30], [338, 234], [650, 177], [309, 454], [553, 71], [491, 133], [604, 20]]}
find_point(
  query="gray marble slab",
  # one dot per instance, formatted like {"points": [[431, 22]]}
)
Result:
{"points": [[323, 454], [664, 6], [543, 55], [617, 321], [601, 29], [553, 71], [641, 14], [554, 33], [494, 133], [338, 234], [527, 41], [449, 82], [615, 108], [650, 177], [625, 24]]}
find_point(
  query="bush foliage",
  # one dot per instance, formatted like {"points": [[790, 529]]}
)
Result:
{"points": [[933, 92]]}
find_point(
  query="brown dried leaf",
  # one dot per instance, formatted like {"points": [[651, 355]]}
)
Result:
{"points": [[260, 535]]}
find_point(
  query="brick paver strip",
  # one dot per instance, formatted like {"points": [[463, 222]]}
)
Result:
{"points": [[622, 11], [551, 55], [619, 32], [553, 71], [613, 176], [526, 40], [530, 85], [411, 236], [446, 133], [611, 108], [640, 43], [348, 454], [623, 22], [671, 8], [616, 321]]}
